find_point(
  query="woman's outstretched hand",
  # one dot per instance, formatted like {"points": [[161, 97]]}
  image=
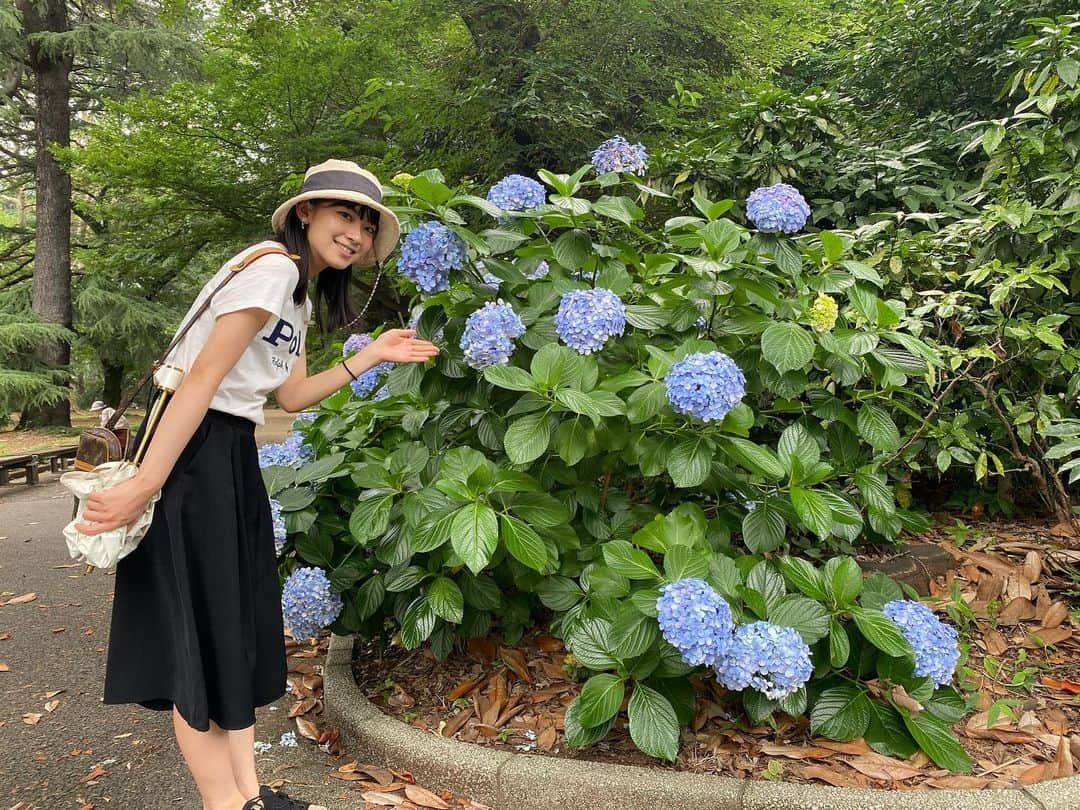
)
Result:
{"points": [[402, 346]]}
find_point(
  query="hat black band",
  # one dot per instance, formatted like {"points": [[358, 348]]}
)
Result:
{"points": [[342, 181]]}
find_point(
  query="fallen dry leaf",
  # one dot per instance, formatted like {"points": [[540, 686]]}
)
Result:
{"points": [[830, 775], [884, 768], [1055, 614], [549, 644], [959, 782], [307, 729], [464, 688], [1044, 637], [21, 600], [425, 798], [385, 799], [96, 773], [51, 705], [31, 718], [1072, 687], [4, 667], [515, 659], [900, 697], [1063, 759], [5, 636], [795, 751]]}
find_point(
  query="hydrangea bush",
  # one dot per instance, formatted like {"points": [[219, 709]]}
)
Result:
{"points": [[651, 411]]}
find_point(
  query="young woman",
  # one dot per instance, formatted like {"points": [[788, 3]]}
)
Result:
{"points": [[196, 623]]}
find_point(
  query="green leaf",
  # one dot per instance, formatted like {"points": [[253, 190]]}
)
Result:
{"points": [[946, 705], [887, 734], [600, 698], [841, 713], [877, 427], [510, 377], [559, 593], [765, 580], [878, 590], [434, 530], [370, 596], [683, 562], [882, 632], [654, 726], [572, 248], [632, 634], [808, 617], [689, 462], [589, 644], [833, 245], [578, 735], [631, 562], [319, 469], [795, 703], [528, 438], [417, 623], [446, 600], [813, 510], [403, 578], [370, 516], [475, 535], [523, 543], [754, 457], [646, 402], [1068, 70], [843, 580], [803, 576], [540, 509], [646, 317], [937, 740], [839, 644], [758, 707], [787, 346], [992, 138], [622, 209], [763, 529], [276, 477]]}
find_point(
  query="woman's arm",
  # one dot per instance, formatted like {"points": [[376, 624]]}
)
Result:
{"points": [[395, 345], [121, 505]]}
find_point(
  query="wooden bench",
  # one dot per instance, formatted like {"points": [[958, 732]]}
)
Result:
{"points": [[29, 465]]}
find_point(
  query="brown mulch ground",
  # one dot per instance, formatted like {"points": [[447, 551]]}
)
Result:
{"points": [[1011, 581]]}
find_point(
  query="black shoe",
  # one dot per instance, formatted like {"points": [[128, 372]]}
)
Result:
{"points": [[254, 803], [280, 800]]}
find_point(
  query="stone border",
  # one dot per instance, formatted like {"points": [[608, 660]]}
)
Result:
{"points": [[513, 781]]}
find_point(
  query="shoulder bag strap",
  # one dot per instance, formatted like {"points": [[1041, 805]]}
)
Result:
{"points": [[236, 268]]}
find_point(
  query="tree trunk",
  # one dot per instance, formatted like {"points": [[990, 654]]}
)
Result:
{"points": [[113, 375], [51, 296]]}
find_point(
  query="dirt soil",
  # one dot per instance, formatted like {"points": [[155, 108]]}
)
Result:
{"points": [[1008, 592]]}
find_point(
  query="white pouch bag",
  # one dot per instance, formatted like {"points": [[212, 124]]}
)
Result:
{"points": [[106, 549]]}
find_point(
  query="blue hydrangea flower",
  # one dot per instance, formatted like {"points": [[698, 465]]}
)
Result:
{"points": [[618, 155], [382, 393], [777, 208], [772, 659], [279, 526], [540, 271], [293, 452], [306, 416], [428, 254], [261, 747], [307, 603], [706, 385], [934, 642], [489, 334], [695, 619], [365, 383], [588, 318], [515, 192], [288, 739]]}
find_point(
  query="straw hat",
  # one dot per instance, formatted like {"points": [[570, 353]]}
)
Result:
{"points": [[344, 180]]}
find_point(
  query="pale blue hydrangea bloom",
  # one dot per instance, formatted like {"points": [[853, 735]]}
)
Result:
{"points": [[382, 393], [619, 155], [364, 383], [777, 208], [292, 452], [307, 602], [428, 254], [934, 642], [288, 739], [489, 334], [261, 747], [540, 271], [515, 192], [706, 385], [771, 659], [588, 318], [306, 416], [279, 526], [695, 620]]}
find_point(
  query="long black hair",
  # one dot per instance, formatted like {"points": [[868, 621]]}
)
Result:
{"points": [[332, 285]]}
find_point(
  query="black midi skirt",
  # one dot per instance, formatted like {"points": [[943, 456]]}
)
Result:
{"points": [[196, 616]]}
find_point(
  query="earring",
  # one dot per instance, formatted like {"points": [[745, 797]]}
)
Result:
{"points": [[303, 225]]}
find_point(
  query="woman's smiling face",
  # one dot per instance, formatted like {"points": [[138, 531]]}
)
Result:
{"points": [[338, 234]]}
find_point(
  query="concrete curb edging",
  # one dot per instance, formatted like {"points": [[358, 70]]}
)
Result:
{"points": [[513, 781]]}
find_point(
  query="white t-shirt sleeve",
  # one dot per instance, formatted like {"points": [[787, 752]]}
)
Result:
{"points": [[266, 283]]}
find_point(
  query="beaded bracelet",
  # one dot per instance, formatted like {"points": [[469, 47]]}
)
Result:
{"points": [[355, 378]]}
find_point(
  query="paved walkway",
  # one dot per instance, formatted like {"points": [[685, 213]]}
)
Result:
{"points": [[57, 643]]}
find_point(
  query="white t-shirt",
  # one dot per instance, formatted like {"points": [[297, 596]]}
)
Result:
{"points": [[266, 283]]}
